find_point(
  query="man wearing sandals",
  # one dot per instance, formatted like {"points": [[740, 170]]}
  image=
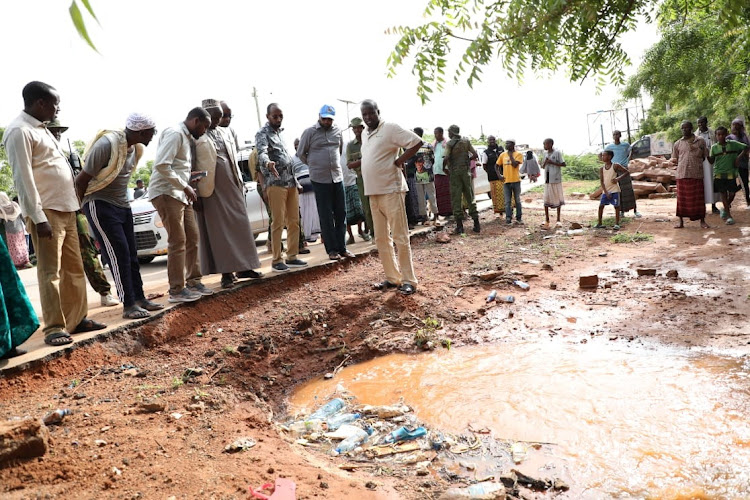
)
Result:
{"points": [[103, 187], [44, 180], [385, 186]]}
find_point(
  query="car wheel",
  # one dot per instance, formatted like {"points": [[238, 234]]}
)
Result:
{"points": [[145, 260]]}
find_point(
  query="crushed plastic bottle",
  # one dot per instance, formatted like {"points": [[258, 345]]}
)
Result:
{"points": [[328, 409], [342, 432], [521, 284], [353, 441], [337, 421], [404, 434], [479, 491], [307, 426], [492, 295], [56, 416], [508, 299]]}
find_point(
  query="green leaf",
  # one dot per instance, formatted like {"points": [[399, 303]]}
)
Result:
{"points": [[88, 8], [80, 25]]}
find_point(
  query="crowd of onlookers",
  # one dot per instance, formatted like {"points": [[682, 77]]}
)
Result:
{"points": [[382, 182]]}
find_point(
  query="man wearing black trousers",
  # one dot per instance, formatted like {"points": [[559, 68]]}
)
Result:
{"points": [[102, 185]]}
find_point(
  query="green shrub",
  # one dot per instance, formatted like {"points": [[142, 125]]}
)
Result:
{"points": [[584, 167]]}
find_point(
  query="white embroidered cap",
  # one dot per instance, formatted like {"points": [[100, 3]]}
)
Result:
{"points": [[138, 121]]}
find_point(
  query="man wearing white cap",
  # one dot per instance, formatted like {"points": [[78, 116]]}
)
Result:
{"points": [[102, 185], [320, 148]]}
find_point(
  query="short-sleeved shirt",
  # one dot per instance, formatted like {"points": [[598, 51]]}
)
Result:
{"points": [[380, 149], [511, 173], [553, 173], [690, 155], [116, 192], [724, 156], [621, 151]]}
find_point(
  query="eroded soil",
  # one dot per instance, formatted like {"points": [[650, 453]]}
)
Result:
{"points": [[250, 348]]}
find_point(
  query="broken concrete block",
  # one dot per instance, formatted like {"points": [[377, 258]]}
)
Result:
{"points": [[645, 271], [588, 281], [672, 274], [26, 438]]}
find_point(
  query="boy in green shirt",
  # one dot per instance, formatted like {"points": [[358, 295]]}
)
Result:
{"points": [[725, 156]]}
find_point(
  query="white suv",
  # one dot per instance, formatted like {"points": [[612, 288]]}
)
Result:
{"points": [[151, 237]]}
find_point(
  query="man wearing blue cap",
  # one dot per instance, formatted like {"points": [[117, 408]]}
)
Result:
{"points": [[320, 147]]}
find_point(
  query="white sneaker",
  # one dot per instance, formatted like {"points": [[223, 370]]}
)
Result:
{"points": [[108, 300]]}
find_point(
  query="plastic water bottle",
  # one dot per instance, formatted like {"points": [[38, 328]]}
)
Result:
{"points": [[508, 299], [353, 441], [337, 421], [307, 426], [56, 416], [521, 284], [492, 296], [404, 434], [328, 409]]}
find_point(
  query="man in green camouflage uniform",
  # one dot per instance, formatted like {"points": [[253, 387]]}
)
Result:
{"points": [[458, 153]]}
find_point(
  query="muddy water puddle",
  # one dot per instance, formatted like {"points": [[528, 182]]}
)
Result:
{"points": [[625, 421]]}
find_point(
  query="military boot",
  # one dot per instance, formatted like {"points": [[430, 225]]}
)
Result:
{"points": [[476, 224], [459, 227]]}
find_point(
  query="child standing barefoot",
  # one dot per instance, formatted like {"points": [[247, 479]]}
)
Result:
{"points": [[609, 179], [725, 156]]}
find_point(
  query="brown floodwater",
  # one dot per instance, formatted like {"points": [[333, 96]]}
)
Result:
{"points": [[625, 420]]}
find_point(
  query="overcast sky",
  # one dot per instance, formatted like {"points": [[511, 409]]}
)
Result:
{"points": [[163, 57]]}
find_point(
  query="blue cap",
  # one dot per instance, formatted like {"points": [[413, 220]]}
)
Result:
{"points": [[327, 111]]}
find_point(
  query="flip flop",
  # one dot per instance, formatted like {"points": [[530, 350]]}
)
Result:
{"points": [[135, 312], [150, 306], [58, 338], [88, 325]]}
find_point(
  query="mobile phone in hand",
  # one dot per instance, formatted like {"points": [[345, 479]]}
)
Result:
{"points": [[198, 175]]}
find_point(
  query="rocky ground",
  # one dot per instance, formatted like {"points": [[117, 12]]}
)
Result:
{"points": [[154, 408]]}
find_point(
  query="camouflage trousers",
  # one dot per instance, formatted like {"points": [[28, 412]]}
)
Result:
{"points": [[91, 265]]}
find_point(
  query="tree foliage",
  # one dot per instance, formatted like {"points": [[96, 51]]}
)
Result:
{"points": [[6, 174], [143, 173], [700, 66], [76, 15], [581, 37]]}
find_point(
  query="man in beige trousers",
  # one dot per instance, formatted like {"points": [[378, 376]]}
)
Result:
{"points": [[44, 180]]}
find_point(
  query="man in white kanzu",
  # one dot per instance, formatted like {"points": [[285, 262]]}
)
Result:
{"points": [[382, 173]]}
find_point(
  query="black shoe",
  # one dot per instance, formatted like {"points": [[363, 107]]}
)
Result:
{"points": [[714, 210], [459, 227], [476, 225], [296, 263], [249, 274], [280, 267], [304, 250]]}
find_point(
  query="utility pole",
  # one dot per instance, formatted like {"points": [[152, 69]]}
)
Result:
{"points": [[347, 102], [257, 108]]}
